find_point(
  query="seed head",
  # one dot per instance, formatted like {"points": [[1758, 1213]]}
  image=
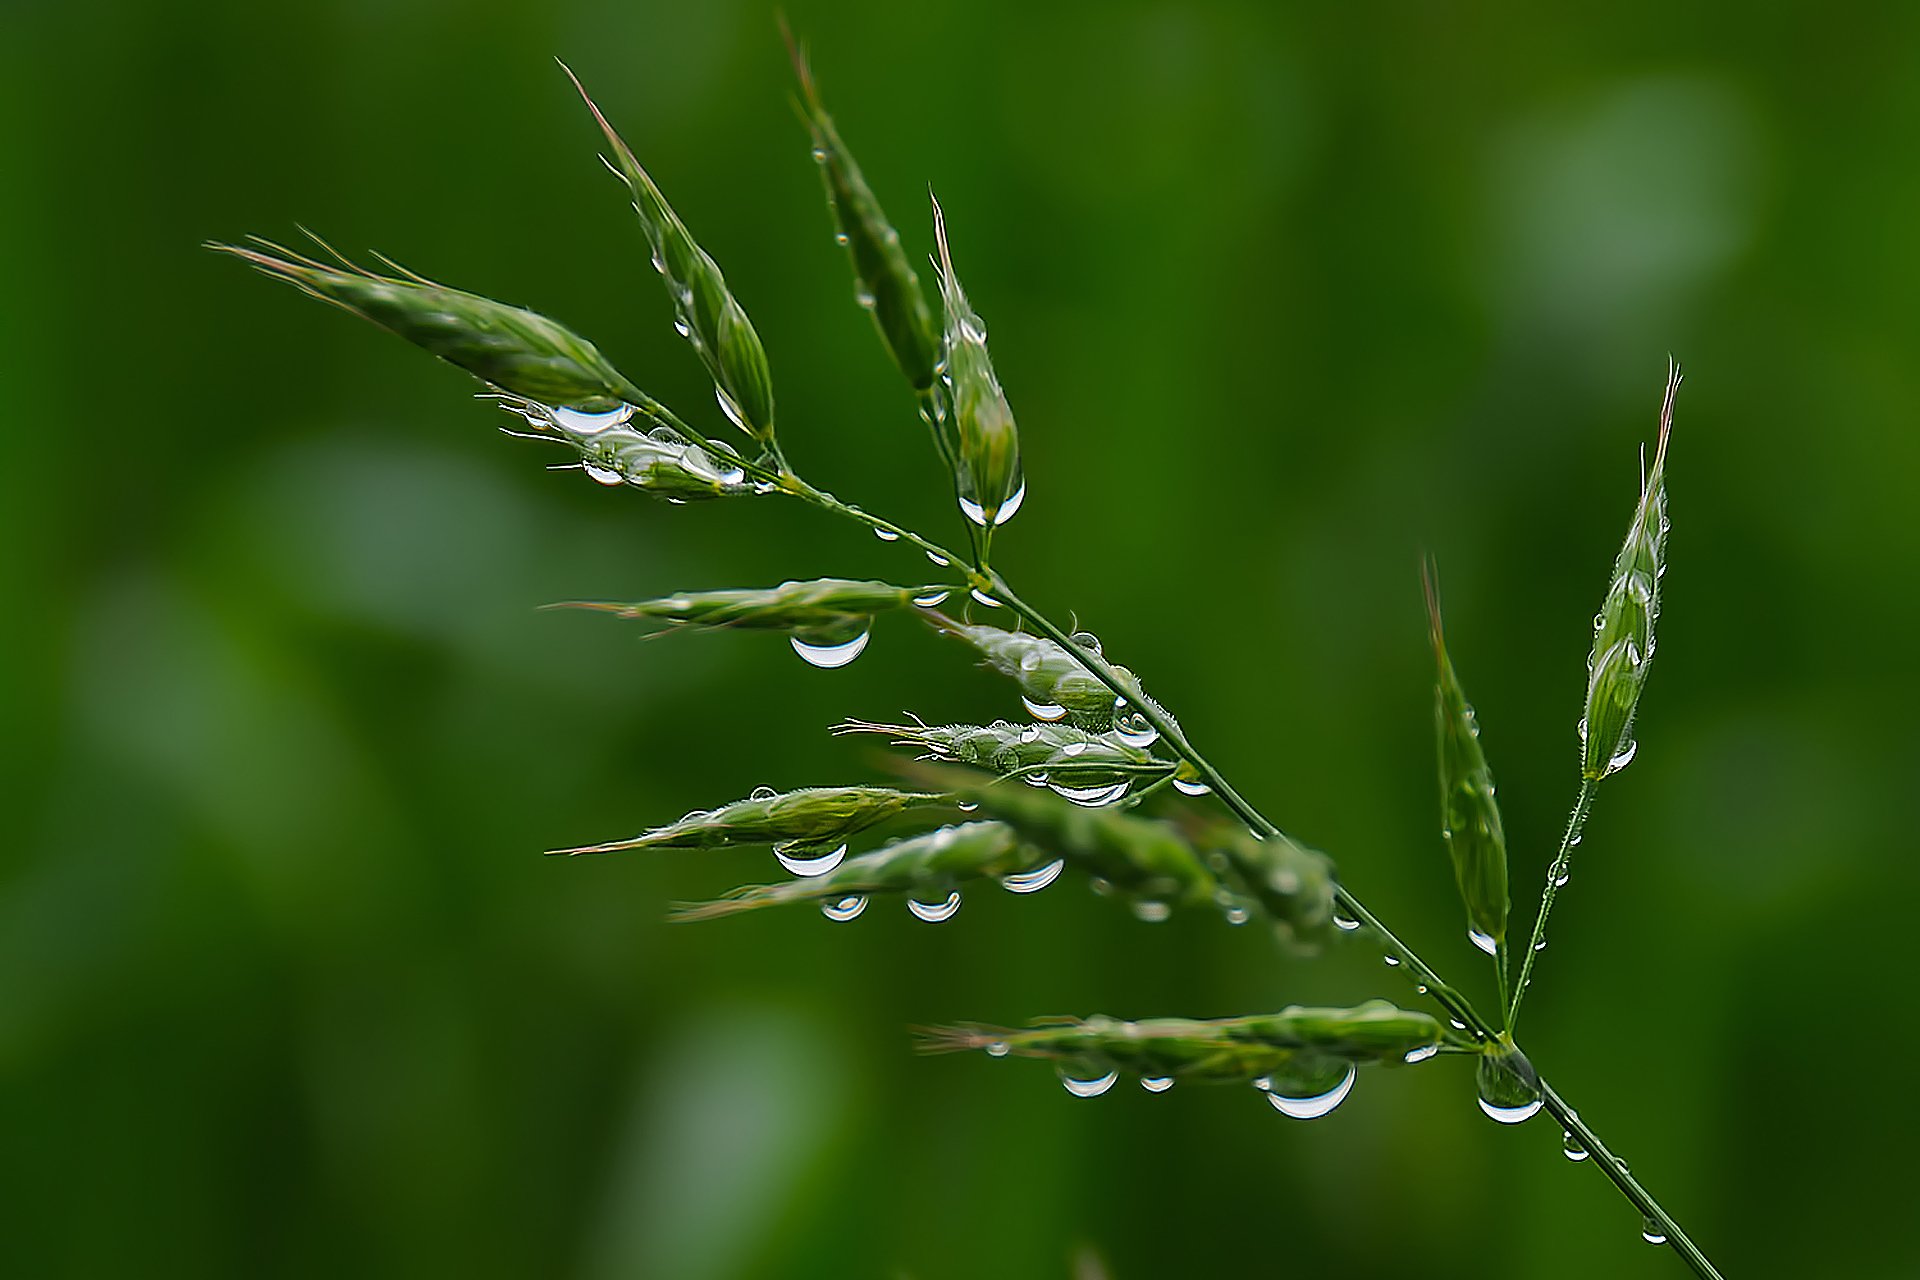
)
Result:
{"points": [[931, 863], [658, 460], [1291, 884], [884, 280], [708, 314], [516, 350], [814, 817], [985, 443], [1292, 1044], [821, 610], [1049, 675], [1469, 814], [1623, 637], [1062, 752]]}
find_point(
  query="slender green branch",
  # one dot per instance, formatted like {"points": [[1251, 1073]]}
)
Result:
{"points": [[1556, 876]]}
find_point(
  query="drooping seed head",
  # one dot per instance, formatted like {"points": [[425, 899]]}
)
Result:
{"points": [[1059, 751], [884, 279], [709, 316], [1292, 1044], [1049, 675], [810, 818], [819, 610], [985, 442], [519, 351], [927, 865], [1469, 815], [614, 449], [1290, 883], [1623, 634], [1144, 860]]}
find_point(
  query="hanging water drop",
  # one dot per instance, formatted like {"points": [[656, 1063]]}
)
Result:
{"points": [[998, 1049], [1043, 710], [938, 559], [1036, 880], [1156, 1084], [800, 865], [1089, 1088], [1504, 1096], [1151, 912], [837, 654], [1237, 915], [932, 598], [1421, 1054], [1093, 797], [886, 535], [602, 475], [1484, 941], [1650, 1232], [1011, 505], [1346, 924], [844, 909], [983, 598], [1191, 787], [1622, 758], [935, 912], [1305, 1100], [1572, 1147], [1393, 962]]}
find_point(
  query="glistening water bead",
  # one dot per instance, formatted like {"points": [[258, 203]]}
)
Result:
{"points": [[1156, 1084], [796, 861], [1092, 1088], [1034, 881], [844, 909], [935, 912], [832, 655], [1310, 1106]]}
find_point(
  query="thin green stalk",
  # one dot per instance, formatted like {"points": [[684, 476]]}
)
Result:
{"points": [[1500, 976], [1556, 876], [1397, 952]]}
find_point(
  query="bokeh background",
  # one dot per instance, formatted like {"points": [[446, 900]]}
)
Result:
{"points": [[1283, 296]]}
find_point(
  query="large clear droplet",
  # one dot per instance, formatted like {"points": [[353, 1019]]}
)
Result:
{"points": [[1483, 941], [1308, 1099], [836, 654], [1089, 1088], [1574, 1149], [1622, 758], [1130, 725], [1012, 505], [1043, 710], [1036, 880], [1190, 787], [935, 912], [1091, 797], [1504, 1096], [581, 423], [844, 908], [796, 861]]}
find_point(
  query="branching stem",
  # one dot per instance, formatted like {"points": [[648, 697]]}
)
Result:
{"points": [[1458, 1007]]}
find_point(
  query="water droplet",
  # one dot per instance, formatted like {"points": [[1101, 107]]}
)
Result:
{"points": [[1093, 797], [731, 408], [1191, 787], [602, 475], [932, 599], [1086, 640], [886, 535], [1151, 912], [1421, 1054], [1483, 941], [1650, 1232], [1311, 1105], [1540, 945], [762, 793], [1560, 881], [967, 806], [998, 1049], [832, 655], [984, 598], [1101, 885], [1237, 915], [1089, 1088], [840, 238], [1011, 506], [581, 423], [1043, 710], [1393, 962], [973, 511], [1156, 1084], [845, 909], [1572, 1147], [1345, 924], [938, 559], [681, 327], [1622, 758], [1131, 727], [1036, 880], [1263, 1083], [935, 912], [818, 865], [1504, 1096]]}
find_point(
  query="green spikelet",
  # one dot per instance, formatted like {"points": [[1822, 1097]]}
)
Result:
{"points": [[1296, 1044], [1469, 815], [820, 611], [810, 818], [1053, 680], [1290, 884], [516, 350], [658, 460], [884, 280], [928, 866], [1623, 631], [709, 316], [1063, 753], [984, 441]]}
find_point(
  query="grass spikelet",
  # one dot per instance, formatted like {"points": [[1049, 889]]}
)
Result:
{"points": [[1294, 1044], [1054, 682], [709, 316], [514, 349], [658, 460], [818, 611], [1469, 815], [1146, 860], [1623, 637], [1062, 753], [884, 280], [929, 865], [984, 440], [810, 818], [1290, 883]]}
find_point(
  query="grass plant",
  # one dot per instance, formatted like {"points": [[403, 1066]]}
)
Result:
{"points": [[1103, 783]]}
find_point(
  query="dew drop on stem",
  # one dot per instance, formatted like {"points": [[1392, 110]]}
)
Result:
{"points": [[1156, 1084], [1572, 1147], [1036, 880], [844, 909], [1043, 710], [1650, 1232], [935, 912], [1088, 1088], [1483, 941], [837, 654], [801, 864], [1308, 1100]]}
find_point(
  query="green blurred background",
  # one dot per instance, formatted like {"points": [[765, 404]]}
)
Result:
{"points": [[1282, 295]]}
